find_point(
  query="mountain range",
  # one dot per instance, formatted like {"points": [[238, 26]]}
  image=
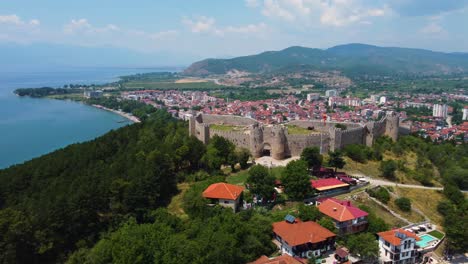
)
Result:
{"points": [[349, 58], [46, 56]]}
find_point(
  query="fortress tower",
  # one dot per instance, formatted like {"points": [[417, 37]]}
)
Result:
{"points": [[392, 123], [278, 142], [256, 140]]}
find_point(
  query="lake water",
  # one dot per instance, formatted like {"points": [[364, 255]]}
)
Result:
{"points": [[32, 127]]}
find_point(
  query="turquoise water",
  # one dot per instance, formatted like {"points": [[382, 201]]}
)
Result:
{"points": [[32, 127], [425, 240]]}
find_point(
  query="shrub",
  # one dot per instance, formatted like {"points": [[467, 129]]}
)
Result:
{"points": [[388, 168], [380, 194], [403, 203], [356, 152]]}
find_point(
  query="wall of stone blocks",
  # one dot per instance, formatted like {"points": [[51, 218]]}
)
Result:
{"points": [[320, 125], [296, 143], [228, 119], [239, 139], [351, 136]]}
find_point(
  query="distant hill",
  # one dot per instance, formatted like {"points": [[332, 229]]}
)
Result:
{"points": [[349, 58], [42, 56]]}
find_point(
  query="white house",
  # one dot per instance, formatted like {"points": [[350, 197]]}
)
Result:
{"points": [[224, 194], [397, 246]]}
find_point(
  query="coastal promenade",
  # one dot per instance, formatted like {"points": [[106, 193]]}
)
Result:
{"points": [[123, 114]]}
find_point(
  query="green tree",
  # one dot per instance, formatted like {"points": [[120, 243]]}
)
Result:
{"points": [[261, 181], [219, 151], [309, 213], [380, 193], [336, 160], [403, 203], [296, 180], [312, 156], [388, 168], [243, 155], [365, 245], [327, 222], [356, 152]]}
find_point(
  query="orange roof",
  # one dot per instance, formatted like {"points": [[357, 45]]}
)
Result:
{"points": [[223, 191], [300, 233], [390, 236], [341, 212], [284, 259]]}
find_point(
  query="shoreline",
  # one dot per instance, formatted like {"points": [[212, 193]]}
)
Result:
{"points": [[128, 116]]}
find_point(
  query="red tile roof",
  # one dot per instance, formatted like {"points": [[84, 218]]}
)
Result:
{"points": [[390, 236], [340, 210], [284, 259], [326, 184], [223, 191], [300, 233]]}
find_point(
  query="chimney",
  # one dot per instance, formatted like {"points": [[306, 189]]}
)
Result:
{"points": [[334, 209]]}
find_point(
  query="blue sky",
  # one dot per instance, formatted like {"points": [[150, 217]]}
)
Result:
{"points": [[195, 29]]}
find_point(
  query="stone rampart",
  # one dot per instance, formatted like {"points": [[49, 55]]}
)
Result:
{"points": [[274, 140], [240, 139]]}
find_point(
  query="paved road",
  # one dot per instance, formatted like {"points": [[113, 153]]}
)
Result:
{"points": [[389, 183]]}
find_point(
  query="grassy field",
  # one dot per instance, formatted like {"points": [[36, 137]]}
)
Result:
{"points": [[295, 130], [411, 215], [175, 207], [424, 200], [363, 199], [225, 127], [238, 178], [371, 168]]}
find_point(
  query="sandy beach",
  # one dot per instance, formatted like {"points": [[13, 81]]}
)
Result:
{"points": [[123, 114]]}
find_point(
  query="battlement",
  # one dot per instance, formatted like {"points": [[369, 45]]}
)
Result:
{"points": [[275, 141]]}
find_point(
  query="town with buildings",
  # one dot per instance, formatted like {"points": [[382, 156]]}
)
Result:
{"points": [[432, 121]]}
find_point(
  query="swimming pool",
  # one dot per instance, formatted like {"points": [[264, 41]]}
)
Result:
{"points": [[426, 239]]}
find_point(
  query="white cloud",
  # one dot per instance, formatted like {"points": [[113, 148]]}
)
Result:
{"points": [[208, 25], [328, 12], [432, 28], [17, 21], [11, 19], [164, 34], [77, 25], [200, 25], [252, 28], [34, 22], [273, 8], [252, 3]]}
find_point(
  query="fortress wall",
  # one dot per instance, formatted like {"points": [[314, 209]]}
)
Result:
{"points": [[202, 132], [351, 136], [228, 120], [239, 139], [319, 125], [296, 143], [379, 128]]}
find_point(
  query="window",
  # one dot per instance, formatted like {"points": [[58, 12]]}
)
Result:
{"points": [[387, 244], [226, 202]]}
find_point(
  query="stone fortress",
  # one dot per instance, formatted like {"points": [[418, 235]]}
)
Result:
{"points": [[275, 141]]}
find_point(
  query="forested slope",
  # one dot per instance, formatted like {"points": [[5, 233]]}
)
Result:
{"points": [[51, 203]]}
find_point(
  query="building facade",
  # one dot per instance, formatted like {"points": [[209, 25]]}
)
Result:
{"points": [[224, 194], [397, 246], [303, 239], [347, 218], [439, 110]]}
